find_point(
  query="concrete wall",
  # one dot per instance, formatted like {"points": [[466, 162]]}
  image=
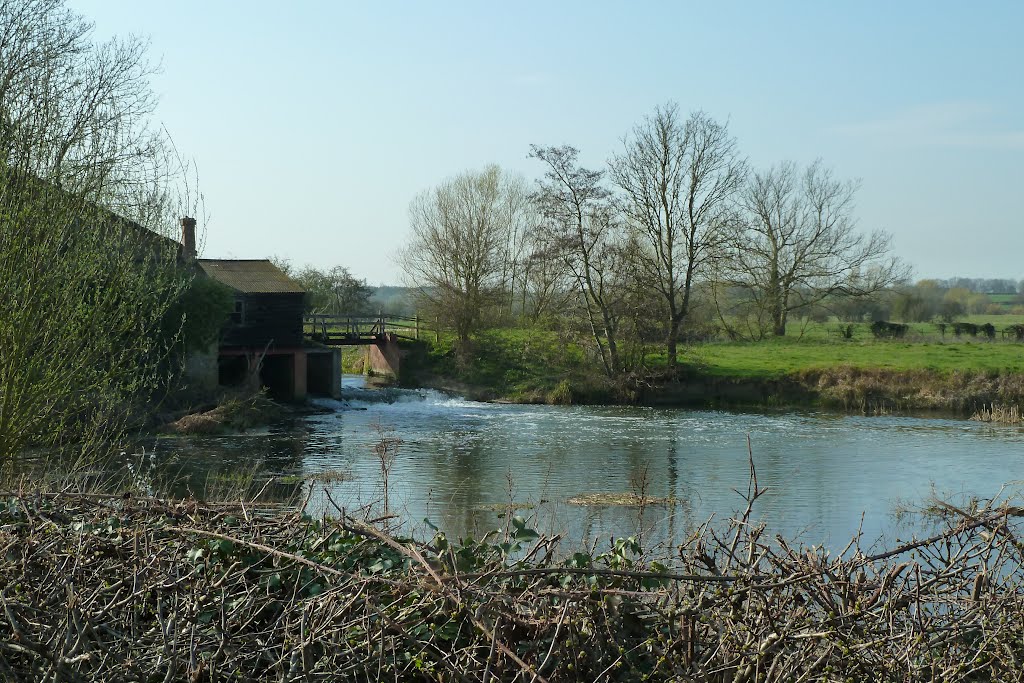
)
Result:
{"points": [[384, 359], [323, 372]]}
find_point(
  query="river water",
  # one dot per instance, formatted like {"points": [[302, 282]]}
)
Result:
{"points": [[459, 463]]}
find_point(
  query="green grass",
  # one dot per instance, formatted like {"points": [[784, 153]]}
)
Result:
{"points": [[538, 366]]}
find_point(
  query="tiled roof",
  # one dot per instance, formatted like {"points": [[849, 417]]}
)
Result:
{"points": [[250, 277]]}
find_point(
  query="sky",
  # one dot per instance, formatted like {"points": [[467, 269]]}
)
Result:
{"points": [[313, 124]]}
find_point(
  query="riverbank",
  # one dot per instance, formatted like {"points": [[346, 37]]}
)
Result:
{"points": [[153, 589], [865, 376], [233, 411]]}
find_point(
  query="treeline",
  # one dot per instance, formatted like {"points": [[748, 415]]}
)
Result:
{"points": [[948, 299], [982, 285], [924, 301], [674, 237]]}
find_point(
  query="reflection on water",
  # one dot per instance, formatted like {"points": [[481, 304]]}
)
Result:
{"points": [[460, 461]]}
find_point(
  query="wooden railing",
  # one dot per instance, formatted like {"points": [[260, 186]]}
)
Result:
{"points": [[341, 330]]}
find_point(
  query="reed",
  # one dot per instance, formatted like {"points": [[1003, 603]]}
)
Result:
{"points": [[998, 413]]}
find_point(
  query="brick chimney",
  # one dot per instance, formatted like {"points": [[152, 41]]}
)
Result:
{"points": [[188, 238]]}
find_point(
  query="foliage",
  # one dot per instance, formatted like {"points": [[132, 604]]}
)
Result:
{"points": [[198, 314], [523, 364], [86, 296], [77, 113], [394, 300], [680, 234], [677, 180], [795, 245], [583, 237]]}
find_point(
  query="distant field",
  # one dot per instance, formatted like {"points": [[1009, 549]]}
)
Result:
{"points": [[777, 358], [822, 345]]}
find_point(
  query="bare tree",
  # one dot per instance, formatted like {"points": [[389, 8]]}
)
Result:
{"points": [[547, 286], [677, 180], [797, 244], [582, 231], [461, 235], [77, 113]]}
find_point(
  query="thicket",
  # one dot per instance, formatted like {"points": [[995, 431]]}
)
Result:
{"points": [[87, 283], [85, 300]]}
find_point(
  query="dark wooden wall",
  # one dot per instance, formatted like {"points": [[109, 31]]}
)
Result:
{"points": [[267, 318]]}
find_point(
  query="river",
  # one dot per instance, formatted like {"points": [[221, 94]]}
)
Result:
{"points": [[460, 463]]}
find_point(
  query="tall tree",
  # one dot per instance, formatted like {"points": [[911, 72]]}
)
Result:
{"points": [[797, 244], [580, 230], [677, 180], [457, 256]]}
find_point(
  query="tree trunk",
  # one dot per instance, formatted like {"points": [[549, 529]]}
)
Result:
{"points": [[779, 316], [672, 343], [779, 326]]}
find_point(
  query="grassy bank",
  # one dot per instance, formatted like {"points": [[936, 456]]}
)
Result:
{"points": [[518, 365], [925, 371], [111, 587]]}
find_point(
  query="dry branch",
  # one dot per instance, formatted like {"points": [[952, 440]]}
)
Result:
{"points": [[108, 588]]}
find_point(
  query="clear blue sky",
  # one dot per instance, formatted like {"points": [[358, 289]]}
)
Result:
{"points": [[314, 124]]}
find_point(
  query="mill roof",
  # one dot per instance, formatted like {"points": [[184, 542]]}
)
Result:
{"points": [[250, 276]]}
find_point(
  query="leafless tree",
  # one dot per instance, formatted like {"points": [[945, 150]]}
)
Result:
{"points": [[460, 244], [547, 289], [77, 113], [677, 180], [582, 231], [797, 244]]}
